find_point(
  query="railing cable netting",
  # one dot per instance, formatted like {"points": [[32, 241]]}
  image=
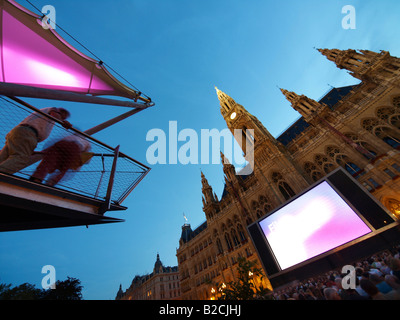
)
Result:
{"points": [[89, 177]]}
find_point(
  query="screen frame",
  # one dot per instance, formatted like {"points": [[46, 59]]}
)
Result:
{"points": [[310, 189], [261, 246]]}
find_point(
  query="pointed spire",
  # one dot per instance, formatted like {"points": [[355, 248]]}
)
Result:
{"points": [[292, 97], [333, 54], [207, 190], [120, 293], [304, 105], [228, 168], [225, 101], [224, 159], [358, 62], [204, 181]]}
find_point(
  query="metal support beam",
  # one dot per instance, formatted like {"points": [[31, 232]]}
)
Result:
{"points": [[107, 203], [110, 122], [17, 90]]}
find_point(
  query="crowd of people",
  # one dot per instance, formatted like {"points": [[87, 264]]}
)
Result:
{"points": [[376, 278]]}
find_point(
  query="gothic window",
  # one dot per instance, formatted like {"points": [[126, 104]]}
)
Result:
{"points": [[388, 135], [312, 170], [228, 241], [234, 237], [370, 124], [342, 160], [242, 235], [324, 163], [367, 186], [283, 186], [396, 102], [384, 113], [389, 172], [352, 168], [390, 115], [267, 208], [219, 246], [363, 144], [247, 139], [374, 183], [396, 166], [262, 200], [285, 189], [261, 207]]}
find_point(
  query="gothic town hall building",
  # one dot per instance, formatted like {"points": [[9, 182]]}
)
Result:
{"points": [[356, 127]]}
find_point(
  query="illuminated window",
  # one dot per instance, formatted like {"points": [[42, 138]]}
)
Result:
{"points": [[374, 183], [396, 166], [389, 172]]}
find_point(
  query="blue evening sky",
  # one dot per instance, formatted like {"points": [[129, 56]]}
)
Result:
{"points": [[176, 51]]}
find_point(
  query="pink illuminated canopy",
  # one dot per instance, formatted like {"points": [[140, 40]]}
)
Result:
{"points": [[38, 57]]}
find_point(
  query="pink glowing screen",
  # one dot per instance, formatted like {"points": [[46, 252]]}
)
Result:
{"points": [[312, 224]]}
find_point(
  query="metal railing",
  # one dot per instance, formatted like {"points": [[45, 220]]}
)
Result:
{"points": [[109, 175]]}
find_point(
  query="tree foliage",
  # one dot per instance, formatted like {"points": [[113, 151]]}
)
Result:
{"points": [[69, 289], [249, 284]]}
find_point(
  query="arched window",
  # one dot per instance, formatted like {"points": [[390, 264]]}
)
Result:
{"points": [[324, 163], [228, 241], [248, 139], [283, 186], [370, 153], [242, 235], [285, 189], [219, 246], [343, 160], [234, 237], [396, 102], [267, 208], [352, 168], [261, 207], [390, 115], [312, 171], [387, 134]]}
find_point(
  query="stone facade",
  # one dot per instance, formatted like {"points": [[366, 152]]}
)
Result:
{"points": [[356, 127]]}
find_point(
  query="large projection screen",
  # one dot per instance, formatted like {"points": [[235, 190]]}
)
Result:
{"points": [[312, 224]]}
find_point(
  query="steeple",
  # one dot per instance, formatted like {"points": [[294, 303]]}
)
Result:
{"points": [[363, 64], [226, 102], [318, 114], [305, 106], [210, 200], [229, 169], [158, 266], [120, 293], [208, 195], [245, 127]]}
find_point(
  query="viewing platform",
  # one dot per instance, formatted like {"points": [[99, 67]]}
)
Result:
{"points": [[82, 197]]}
